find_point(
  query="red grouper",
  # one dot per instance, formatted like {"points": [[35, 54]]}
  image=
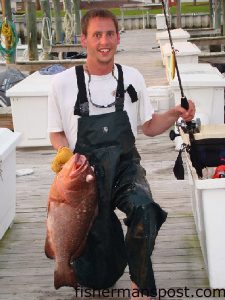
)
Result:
{"points": [[72, 208]]}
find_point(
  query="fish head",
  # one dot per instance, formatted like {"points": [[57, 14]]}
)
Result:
{"points": [[78, 169], [76, 175]]}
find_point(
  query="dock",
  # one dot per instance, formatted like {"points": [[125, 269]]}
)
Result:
{"points": [[26, 273], [35, 65]]}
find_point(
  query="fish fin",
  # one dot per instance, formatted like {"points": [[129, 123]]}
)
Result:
{"points": [[65, 277], [48, 248]]}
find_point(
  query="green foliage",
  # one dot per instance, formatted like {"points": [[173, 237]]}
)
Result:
{"points": [[186, 8]]}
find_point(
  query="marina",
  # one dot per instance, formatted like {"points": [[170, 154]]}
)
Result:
{"points": [[26, 273]]}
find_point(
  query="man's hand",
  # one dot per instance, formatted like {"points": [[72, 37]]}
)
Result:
{"points": [[161, 122], [62, 156], [186, 115]]}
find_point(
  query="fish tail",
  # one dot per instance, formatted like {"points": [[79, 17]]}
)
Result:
{"points": [[65, 277]]}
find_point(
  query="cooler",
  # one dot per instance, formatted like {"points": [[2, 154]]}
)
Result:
{"points": [[208, 204], [29, 102], [161, 98], [178, 35], [186, 53], [8, 142]]}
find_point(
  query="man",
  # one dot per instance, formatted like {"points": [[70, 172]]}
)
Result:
{"points": [[94, 110]]}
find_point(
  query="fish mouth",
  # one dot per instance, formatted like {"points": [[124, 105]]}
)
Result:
{"points": [[80, 161], [77, 160]]}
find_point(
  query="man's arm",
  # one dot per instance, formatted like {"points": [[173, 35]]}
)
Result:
{"points": [[161, 122], [58, 140]]}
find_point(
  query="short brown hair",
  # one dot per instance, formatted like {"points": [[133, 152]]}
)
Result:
{"points": [[97, 13]]}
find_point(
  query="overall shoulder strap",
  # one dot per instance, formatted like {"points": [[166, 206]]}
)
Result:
{"points": [[81, 107], [120, 89], [132, 93]]}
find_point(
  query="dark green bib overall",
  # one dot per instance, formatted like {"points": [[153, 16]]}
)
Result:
{"points": [[108, 142]]}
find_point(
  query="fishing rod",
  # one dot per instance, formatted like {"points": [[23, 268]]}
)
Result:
{"points": [[184, 102], [190, 127], [194, 125]]}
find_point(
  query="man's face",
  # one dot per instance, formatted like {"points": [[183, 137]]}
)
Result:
{"points": [[101, 40]]}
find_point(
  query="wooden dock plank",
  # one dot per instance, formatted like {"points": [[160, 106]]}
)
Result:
{"points": [[25, 272]]}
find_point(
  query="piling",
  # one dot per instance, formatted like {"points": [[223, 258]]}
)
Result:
{"points": [[58, 21], [31, 24], [46, 36]]}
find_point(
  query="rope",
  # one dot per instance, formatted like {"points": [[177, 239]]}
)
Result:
{"points": [[46, 23], [9, 37], [69, 26]]}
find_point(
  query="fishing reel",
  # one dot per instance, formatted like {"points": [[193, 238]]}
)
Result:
{"points": [[193, 126]]}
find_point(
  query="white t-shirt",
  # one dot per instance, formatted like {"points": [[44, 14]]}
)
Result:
{"points": [[63, 96]]}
